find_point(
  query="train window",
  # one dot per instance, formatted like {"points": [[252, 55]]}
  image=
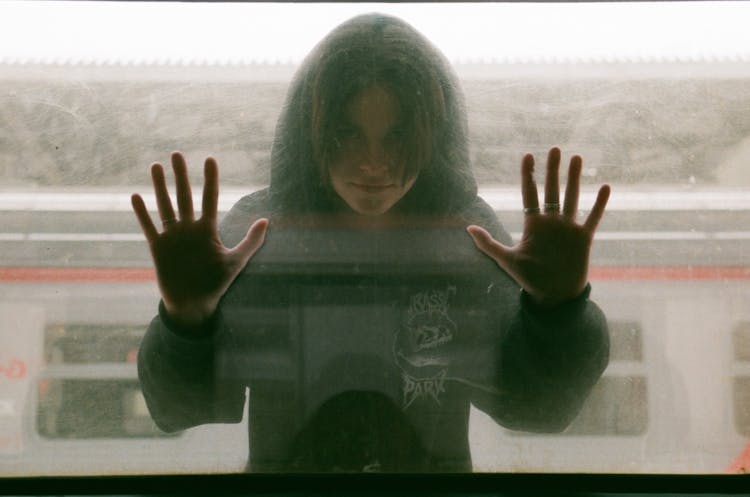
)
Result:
{"points": [[741, 342], [72, 343], [741, 403], [86, 106], [626, 341], [90, 369], [618, 404], [741, 382], [72, 409]]}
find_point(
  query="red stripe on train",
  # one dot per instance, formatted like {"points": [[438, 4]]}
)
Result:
{"points": [[76, 274], [680, 273], [599, 273]]}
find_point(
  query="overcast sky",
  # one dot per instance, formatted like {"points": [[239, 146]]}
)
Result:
{"points": [[139, 31]]}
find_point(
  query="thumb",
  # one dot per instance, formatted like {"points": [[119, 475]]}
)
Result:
{"points": [[253, 240], [491, 247]]}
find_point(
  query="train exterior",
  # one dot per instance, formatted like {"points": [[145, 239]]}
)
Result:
{"points": [[670, 265], [673, 399]]}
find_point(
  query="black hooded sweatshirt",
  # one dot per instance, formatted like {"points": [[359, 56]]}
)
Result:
{"points": [[362, 349]]}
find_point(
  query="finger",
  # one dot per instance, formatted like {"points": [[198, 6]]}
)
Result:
{"points": [[210, 190], [592, 221], [253, 240], [491, 247], [163, 202], [572, 189], [552, 182], [528, 186], [147, 225], [184, 195]]}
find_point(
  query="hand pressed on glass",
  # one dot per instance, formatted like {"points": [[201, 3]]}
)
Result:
{"points": [[193, 267], [551, 260]]}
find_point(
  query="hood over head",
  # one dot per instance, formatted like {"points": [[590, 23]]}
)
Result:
{"points": [[366, 50]]}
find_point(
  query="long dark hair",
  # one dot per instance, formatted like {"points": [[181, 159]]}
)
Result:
{"points": [[366, 50]]}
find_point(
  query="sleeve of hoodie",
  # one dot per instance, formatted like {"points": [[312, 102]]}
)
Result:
{"points": [[177, 371], [544, 362]]}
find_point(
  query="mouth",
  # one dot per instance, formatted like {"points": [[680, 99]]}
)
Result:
{"points": [[368, 188]]}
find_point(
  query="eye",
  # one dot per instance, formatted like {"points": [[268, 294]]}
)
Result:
{"points": [[395, 137], [346, 135]]}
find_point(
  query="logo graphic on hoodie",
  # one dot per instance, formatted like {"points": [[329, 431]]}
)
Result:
{"points": [[417, 345]]}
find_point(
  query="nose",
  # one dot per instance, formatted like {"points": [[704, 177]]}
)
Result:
{"points": [[375, 162]]}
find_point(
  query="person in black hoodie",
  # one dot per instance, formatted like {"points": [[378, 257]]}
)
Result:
{"points": [[355, 309]]}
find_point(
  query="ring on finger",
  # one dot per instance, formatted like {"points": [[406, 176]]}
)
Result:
{"points": [[551, 207], [166, 222], [531, 210]]}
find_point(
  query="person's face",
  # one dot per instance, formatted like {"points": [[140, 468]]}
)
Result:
{"points": [[367, 170]]}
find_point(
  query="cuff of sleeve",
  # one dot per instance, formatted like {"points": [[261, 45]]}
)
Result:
{"points": [[203, 333], [571, 307]]}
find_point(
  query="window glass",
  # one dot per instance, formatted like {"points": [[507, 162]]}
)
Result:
{"points": [[92, 93]]}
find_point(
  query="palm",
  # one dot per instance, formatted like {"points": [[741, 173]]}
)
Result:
{"points": [[551, 260], [193, 267]]}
